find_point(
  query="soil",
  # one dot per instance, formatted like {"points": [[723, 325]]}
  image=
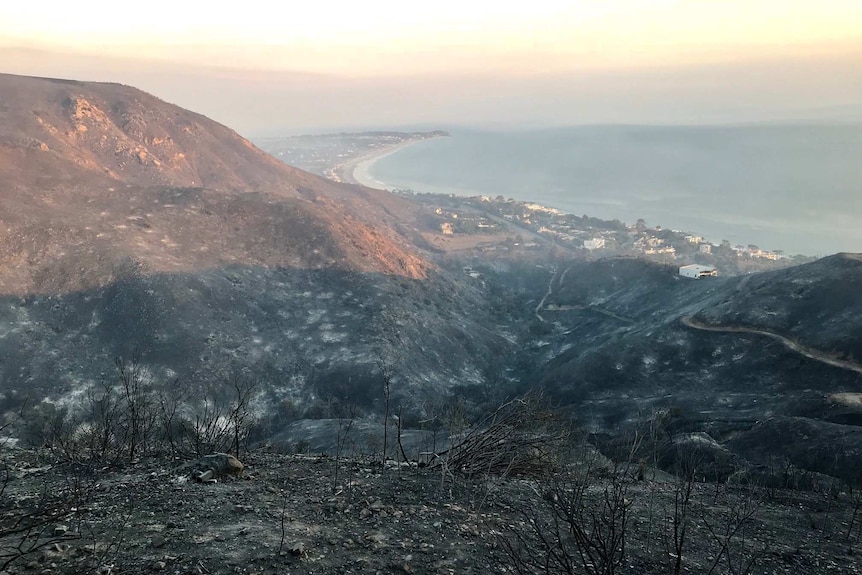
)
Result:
{"points": [[313, 514]]}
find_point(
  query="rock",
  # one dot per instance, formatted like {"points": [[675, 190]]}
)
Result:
{"points": [[60, 530], [401, 567], [205, 476], [160, 566], [297, 549], [377, 540], [207, 468]]}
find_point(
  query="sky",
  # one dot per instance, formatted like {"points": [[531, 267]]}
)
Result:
{"points": [[266, 67]]}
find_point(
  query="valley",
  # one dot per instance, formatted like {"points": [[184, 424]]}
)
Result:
{"points": [[150, 257]]}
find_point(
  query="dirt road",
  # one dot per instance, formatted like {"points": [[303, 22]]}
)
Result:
{"points": [[808, 352]]}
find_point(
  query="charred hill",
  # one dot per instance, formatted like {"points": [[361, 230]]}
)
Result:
{"points": [[110, 173], [129, 224], [763, 364]]}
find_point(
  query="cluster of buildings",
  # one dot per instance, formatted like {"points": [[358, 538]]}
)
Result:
{"points": [[650, 245], [464, 223], [703, 246], [484, 215], [752, 251]]}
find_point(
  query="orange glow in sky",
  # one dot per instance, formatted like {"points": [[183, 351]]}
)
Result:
{"points": [[258, 64], [393, 36]]}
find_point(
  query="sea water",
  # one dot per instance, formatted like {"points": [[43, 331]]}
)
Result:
{"points": [[795, 188]]}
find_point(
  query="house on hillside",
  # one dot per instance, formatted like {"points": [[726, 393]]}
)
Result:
{"points": [[696, 271]]}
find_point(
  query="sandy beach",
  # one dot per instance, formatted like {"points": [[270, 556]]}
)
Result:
{"points": [[357, 170]]}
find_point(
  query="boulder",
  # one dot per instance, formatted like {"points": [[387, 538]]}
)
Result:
{"points": [[210, 467]]}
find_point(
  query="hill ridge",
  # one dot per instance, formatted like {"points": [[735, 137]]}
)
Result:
{"points": [[95, 174]]}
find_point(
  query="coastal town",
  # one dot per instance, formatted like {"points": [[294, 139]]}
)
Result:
{"points": [[484, 225]]}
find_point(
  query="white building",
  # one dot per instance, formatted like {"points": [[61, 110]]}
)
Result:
{"points": [[662, 250], [595, 244], [697, 271], [541, 208]]}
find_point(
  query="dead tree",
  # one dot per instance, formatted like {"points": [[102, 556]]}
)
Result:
{"points": [[731, 530], [217, 424], [30, 522], [117, 424], [240, 415], [387, 372], [680, 516], [522, 437], [138, 412], [579, 529]]}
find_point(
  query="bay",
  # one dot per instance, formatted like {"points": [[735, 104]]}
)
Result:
{"points": [[796, 188]]}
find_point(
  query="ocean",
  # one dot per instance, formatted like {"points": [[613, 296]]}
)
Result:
{"points": [[795, 188]]}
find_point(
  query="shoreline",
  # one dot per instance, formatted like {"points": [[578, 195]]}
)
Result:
{"points": [[355, 171]]}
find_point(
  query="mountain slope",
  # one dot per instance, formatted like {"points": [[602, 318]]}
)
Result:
{"points": [[816, 304], [724, 354], [68, 129], [130, 225], [94, 175]]}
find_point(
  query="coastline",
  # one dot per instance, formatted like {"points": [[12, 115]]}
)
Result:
{"points": [[356, 171], [658, 206]]}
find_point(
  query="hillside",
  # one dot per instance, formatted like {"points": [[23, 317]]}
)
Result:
{"points": [[817, 305], [70, 131], [298, 514], [95, 178], [744, 359], [130, 225], [132, 228]]}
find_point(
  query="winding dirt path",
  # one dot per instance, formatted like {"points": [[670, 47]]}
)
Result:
{"points": [[808, 352], [547, 295], [559, 278]]}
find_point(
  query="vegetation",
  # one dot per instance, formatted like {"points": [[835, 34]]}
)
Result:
{"points": [[519, 491], [127, 418]]}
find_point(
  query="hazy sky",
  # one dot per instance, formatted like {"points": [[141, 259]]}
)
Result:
{"points": [[269, 67]]}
